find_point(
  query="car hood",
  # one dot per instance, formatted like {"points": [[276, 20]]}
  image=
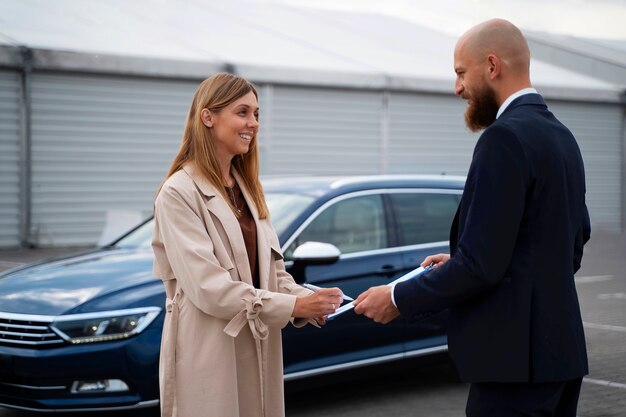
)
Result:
{"points": [[58, 286]]}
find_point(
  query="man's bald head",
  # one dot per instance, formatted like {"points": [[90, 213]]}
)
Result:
{"points": [[501, 38], [491, 62]]}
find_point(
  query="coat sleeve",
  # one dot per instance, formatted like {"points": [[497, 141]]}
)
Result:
{"points": [[285, 282], [494, 208], [207, 283]]}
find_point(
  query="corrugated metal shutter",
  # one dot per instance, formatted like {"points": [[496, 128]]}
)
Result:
{"points": [[598, 130], [263, 136], [99, 143], [10, 99], [427, 135], [324, 131]]}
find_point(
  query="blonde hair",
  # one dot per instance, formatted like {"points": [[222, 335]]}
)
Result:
{"points": [[198, 147]]}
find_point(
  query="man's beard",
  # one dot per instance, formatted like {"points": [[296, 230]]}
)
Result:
{"points": [[481, 109]]}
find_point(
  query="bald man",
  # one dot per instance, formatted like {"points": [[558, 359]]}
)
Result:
{"points": [[515, 330]]}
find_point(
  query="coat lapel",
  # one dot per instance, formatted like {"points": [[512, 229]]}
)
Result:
{"points": [[222, 211], [262, 239]]}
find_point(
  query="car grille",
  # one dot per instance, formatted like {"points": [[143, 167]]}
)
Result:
{"points": [[16, 329]]}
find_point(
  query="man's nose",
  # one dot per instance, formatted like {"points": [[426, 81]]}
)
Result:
{"points": [[458, 88]]}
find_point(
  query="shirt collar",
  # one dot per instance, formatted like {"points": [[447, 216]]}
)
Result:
{"points": [[512, 97]]}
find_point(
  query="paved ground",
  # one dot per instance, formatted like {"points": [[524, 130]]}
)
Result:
{"points": [[430, 388]]}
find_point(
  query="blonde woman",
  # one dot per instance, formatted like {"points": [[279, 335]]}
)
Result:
{"points": [[228, 294]]}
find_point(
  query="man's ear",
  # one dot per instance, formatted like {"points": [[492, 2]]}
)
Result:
{"points": [[494, 66], [207, 117]]}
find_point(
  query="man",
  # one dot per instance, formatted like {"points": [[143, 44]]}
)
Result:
{"points": [[516, 241]]}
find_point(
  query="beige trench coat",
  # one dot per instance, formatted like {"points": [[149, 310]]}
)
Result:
{"points": [[221, 354]]}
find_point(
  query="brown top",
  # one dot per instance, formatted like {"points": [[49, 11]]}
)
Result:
{"points": [[248, 229]]}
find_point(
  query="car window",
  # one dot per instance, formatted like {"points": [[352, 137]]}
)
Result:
{"points": [[353, 225], [423, 217]]}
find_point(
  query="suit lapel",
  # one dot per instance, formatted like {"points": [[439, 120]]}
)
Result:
{"points": [[262, 239], [222, 211]]}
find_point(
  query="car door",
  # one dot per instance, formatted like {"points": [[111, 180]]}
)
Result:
{"points": [[423, 219], [357, 225]]}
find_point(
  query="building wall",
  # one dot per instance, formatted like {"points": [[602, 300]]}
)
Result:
{"points": [[102, 143], [427, 135], [324, 131], [10, 131], [99, 143], [598, 130]]}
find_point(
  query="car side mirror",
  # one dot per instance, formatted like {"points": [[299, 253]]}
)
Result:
{"points": [[313, 253]]}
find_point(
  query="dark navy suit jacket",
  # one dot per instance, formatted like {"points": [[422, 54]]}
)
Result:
{"points": [[516, 241]]}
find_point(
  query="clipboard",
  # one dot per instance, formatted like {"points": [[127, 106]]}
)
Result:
{"points": [[409, 275]]}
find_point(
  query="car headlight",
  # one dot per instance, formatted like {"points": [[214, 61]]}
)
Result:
{"points": [[104, 326]]}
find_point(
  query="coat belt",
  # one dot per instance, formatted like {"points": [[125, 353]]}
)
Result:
{"points": [[250, 314], [169, 351]]}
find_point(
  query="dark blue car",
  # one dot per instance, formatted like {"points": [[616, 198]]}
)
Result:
{"points": [[83, 332]]}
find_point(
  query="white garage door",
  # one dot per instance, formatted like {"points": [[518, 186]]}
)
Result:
{"points": [[10, 99], [598, 130], [323, 131], [428, 135], [99, 144]]}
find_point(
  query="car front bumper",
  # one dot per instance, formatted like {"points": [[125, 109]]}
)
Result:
{"points": [[45, 380]]}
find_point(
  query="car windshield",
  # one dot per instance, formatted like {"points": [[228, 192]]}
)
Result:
{"points": [[284, 208], [139, 238]]}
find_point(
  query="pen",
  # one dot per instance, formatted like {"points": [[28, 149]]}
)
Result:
{"points": [[315, 288]]}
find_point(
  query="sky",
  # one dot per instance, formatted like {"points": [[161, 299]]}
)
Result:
{"points": [[603, 19]]}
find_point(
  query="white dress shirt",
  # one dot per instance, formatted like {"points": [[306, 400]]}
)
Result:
{"points": [[512, 97]]}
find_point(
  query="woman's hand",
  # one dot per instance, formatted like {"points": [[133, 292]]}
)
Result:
{"points": [[437, 260], [321, 320], [318, 304]]}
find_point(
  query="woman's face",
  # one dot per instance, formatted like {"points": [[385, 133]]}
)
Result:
{"points": [[235, 125]]}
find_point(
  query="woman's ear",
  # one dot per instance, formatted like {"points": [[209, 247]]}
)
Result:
{"points": [[207, 117]]}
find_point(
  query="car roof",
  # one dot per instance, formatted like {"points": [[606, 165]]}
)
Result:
{"points": [[319, 185]]}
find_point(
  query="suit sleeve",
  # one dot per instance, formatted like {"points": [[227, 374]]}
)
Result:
{"points": [[582, 236], [190, 252], [494, 201]]}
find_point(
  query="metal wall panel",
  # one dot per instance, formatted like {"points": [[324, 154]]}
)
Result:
{"points": [[324, 131], [10, 128], [104, 143], [427, 135], [99, 143], [598, 130]]}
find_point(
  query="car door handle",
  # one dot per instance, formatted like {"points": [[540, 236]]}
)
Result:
{"points": [[387, 270]]}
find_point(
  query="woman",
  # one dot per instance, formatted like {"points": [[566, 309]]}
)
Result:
{"points": [[228, 294]]}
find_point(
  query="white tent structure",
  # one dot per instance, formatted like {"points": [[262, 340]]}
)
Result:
{"points": [[94, 94]]}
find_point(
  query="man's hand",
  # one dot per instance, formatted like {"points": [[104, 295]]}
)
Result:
{"points": [[376, 304], [437, 260]]}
